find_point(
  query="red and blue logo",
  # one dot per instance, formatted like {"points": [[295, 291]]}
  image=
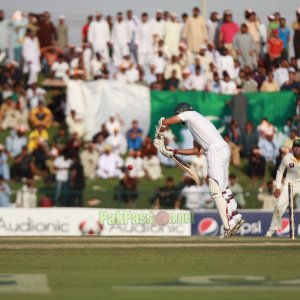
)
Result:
{"points": [[285, 227], [208, 226]]}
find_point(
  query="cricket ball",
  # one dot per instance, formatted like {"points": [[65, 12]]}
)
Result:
{"points": [[130, 167]]}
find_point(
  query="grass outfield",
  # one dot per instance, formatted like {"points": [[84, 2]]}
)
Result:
{"points": [[150, 268]]}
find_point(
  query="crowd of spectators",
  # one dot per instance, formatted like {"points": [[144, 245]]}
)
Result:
{"points": [[167, 52]]}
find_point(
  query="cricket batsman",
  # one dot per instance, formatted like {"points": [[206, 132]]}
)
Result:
{"points": [[290, 163], [217, 151]]}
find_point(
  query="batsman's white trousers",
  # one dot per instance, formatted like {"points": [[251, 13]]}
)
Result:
{"points": [[282, 204], [218, 158]]}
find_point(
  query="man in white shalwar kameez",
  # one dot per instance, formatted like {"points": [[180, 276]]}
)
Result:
{"points": [[99, 36], [120, 39], [172, 34], [31, 56], [158, 26]]}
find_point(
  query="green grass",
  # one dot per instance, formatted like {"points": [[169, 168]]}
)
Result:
{"points": [[91, 268]]}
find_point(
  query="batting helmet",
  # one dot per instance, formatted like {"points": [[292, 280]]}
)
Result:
{"points": [[181, 107]]}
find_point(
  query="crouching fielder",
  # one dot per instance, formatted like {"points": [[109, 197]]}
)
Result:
{"points": [[218, 156], [290, 163]]}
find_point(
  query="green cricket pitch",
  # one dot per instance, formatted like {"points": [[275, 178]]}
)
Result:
{"points": [[149, 268]]}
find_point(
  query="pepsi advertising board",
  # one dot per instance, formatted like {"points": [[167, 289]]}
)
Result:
{"points": [[208, 223]]}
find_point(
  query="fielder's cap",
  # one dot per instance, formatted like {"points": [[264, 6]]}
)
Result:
{"points": [[296, 143], [227, 12]]}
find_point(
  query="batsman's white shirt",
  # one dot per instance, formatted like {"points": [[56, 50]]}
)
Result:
{"points": [[292, 165], [203, 131]]}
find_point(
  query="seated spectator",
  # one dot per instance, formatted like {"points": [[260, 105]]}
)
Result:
{"points": [[97, 65], [60, 68], [173, 65], [114, 122], [5, 108], [268, 148], [186, 82], [127, 190], [132, 73], [39, 132], [291, 84], [76, 184], [120, 75], [75, 124], [21, 166], [134, 136], [172, 83], [260, 76], [198, 80], [34, 94], [249, 139], [214, 84], [16, 141], [237, 191], [60, 139], [99, 142], [166, 196], [118, 142], [289, 126], [249, 85], [257, 164], [199, 164], [225, 63], [89, 159], [266, 195], [5, 193], [235, 158], [227, 86], [4, 168], [109, 164], [148, 147], [266, 128], [159, 84], [134, 159], [39, 157], [151, 166], [27, 195], [270, 85], [62, 165], [41, 116], [281, 73]]}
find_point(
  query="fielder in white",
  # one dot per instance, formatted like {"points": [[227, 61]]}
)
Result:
{"points": [[217, 151], [290, 163]]}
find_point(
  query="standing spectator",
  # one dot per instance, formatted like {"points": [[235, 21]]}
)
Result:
{"points": [[27, 195], [272, 25], [195, 32], [254, 29], [239, 104], [249, 139], [89, 158], [120, 39], [158, 26], [237, 191], [109, 164], [244, 46], [85, 29], [132, 24], [266, 195], [76, 184], [31, 55], [16, 141], [270, 85], [144, 41], [296, 39], [62, 166], [134, 136], [284, 35], [172, 34], [212, 29], [4, 31], [5, 193], [257, 164], [99, 36], [4, 168], [62, 33], [228, 31], [275, 46]]}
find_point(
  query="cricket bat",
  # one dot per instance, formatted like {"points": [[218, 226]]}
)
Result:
{"points": [[186, 167]]}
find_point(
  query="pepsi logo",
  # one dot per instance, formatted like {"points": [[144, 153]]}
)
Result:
{"points": [[208, 226], [285, 227]]}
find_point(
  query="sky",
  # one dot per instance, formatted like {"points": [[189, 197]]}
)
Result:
{"points": [[76, 11]]}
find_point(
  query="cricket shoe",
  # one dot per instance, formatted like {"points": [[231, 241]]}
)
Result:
{"points": [[270, 233]]}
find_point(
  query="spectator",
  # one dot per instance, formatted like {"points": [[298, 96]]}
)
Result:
{"points": [[212, 29], [5, 108], [4, 168], [186, 84], [16, 141], [198, 80], [4, 33], [89, 158], [257, 164], [289, 142], [227, 85], [173, 65], [22, 165], [296, 40], [60, 68], [109, 164], [291, 84], [172, 34], [266, 128], [132, 73], [249, 85], [60, 139], [281, 74], [39, 158], [249, 139], [62, 165], [41, 116], [172, 83], [266, 195], [275, 46], [237, 191], [27, 195], [75, 124], [214, 84], [254, 29], [167, 196], [272, 25], [270, 85], [34, 135], [134, 159], [85, 29], [34, 94], [127, 190], [268, 148], [114, 122], [194, 31], [62, 33], [99, 36], [205, 59], [244, 46], [228, 31], [134, 136], [151, 166], [132, 25], [76, 184], [148, 147], [284, 35], [238, 104], [225, 63], [117, 142], [5, 193]]}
